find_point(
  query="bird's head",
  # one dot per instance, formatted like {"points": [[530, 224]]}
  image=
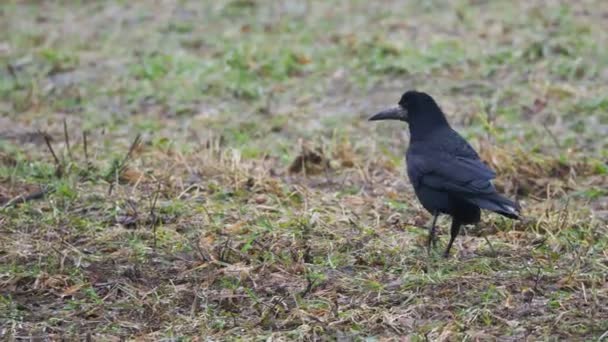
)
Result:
{"points": [[416, 108]]}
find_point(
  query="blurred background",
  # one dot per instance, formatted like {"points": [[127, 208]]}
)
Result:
{"points": [[172, 168]]}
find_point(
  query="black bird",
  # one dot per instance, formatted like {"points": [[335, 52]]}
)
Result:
{"points": [[445, 171]]}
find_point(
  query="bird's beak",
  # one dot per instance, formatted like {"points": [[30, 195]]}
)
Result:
{"points": [[395, 113]]}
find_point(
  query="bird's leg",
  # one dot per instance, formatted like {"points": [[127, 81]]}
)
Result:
{"points": [[431, 239], [454, 233]]}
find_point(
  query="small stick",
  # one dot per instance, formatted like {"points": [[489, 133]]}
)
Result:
{"points": [[552, 136], [307, 257], [153, 213], [47, 140], [13, 73], [86, 149], [537, 279], [67, 138], [122, 164], [490, 245], [25, 198], [311, 283], [194, 306], [223, 251], [131, 149]]}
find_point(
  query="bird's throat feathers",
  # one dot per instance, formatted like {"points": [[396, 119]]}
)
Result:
{"points": [[424, 121]]}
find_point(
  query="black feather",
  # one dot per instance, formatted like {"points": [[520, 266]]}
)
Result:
{"points": [[447, 174]]}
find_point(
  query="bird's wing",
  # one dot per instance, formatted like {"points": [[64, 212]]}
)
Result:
{"points": [[449, 141], [445, 171]]}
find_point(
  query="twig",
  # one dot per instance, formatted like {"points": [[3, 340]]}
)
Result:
{"points": [[131, 149], [414, 225], [222, 256], [67, 138], [122, 164], [552, 136], [25, 198], [202, 254], [490, 245], [13, 73], [86, 149], [275, 302], [48, 144], [537, 279], [311, 283], [307, 256], [47, 140], [194, 306], [153, 213], [563, 217]]}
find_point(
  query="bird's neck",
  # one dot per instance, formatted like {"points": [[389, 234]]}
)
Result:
{"points": [[423, 129]]}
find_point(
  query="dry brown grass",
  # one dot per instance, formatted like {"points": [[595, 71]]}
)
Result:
{"points": [[259, 204]]}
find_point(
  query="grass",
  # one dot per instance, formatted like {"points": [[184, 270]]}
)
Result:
{"points": [[258, 203]]}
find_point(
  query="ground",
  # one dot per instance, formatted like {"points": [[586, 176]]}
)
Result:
{"points": [[204, 169]]}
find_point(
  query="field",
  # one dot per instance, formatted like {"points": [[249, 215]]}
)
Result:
{"points": [[204, 170]]}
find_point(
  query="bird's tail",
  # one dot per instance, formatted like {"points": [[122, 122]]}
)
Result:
{"points": [[498, 204]]}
